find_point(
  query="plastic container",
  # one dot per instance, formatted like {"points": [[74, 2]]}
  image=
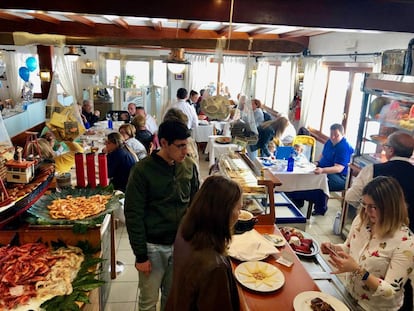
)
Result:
{"points": [[110, 124], [337, 223], [290, 163]]}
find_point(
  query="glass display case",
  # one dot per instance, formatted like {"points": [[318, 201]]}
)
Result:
{"points": [[387, 106], [260, 196]]}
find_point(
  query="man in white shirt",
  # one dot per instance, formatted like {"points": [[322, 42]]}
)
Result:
{"points": [[398, 150], [150, 122], [186, 108]]}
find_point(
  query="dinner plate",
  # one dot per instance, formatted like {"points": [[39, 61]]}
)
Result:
{"points": [[251, 258], [302, 301], [223, 140], [259, 276], [277, 240], [314, 248]]}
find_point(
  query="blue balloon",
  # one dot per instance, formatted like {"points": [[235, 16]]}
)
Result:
{"points": [[31, 63], [24, 73]]}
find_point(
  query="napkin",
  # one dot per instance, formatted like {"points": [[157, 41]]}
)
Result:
{"points": [[250, 245]]}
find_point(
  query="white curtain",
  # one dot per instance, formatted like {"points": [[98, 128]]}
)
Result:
{"points": [[201, 72], [285, 85], [68, 72], [14, 61], [314, 85], [233, 73]]}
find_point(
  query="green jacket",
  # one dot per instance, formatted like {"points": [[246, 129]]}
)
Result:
{"points": [[156, 199]]}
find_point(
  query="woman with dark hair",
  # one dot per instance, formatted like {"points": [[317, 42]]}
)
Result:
{"points": [[200, 260], [121, 158], [378, 254]]}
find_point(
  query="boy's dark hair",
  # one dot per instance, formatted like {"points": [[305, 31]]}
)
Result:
{"points": [[172, 130], [182, 93]]}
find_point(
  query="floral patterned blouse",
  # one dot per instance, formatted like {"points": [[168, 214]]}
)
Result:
{"points": [[390, 259]]}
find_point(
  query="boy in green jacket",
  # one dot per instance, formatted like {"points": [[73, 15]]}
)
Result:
{"points": [[159, 190]]}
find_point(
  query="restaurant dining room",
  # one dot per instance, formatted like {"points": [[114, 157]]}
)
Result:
{"points": [[219, 155]]}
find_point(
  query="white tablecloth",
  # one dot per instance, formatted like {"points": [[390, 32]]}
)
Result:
{"points": [[215, 150], [302, 177], [202, 132]]}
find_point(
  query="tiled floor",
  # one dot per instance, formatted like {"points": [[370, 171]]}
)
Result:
{"points": [[123, 295]]}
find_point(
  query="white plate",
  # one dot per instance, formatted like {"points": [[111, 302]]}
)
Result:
{"points": [[302, 302], [315, 246], [277, 240], [251, 258], [274, 278]]}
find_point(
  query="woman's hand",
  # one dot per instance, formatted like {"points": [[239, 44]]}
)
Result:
{"points": [[342, 262], [326, 247]]}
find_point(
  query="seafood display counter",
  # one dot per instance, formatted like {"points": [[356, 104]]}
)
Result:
{"points": [[98, 237]]}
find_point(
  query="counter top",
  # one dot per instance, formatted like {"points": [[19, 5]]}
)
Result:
{"points": [[297, 280]]}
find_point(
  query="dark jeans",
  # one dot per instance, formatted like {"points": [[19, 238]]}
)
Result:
{"points": [[317, 197], [336, 182], [408, 297]]}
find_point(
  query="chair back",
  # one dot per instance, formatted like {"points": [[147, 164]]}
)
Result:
{"points": [[284, 152], [309, 144], [119, 115]]}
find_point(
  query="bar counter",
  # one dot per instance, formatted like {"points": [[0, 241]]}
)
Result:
{"points": [[297, 280]]}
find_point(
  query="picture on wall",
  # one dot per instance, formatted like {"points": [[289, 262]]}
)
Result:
{"points": [[179, 76]]}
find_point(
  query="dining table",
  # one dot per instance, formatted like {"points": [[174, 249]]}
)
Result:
{"points": [[202, 132], [300, 179], [215, 149], [310, 273], [297, 280]]}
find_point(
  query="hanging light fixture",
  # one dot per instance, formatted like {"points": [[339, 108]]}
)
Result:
{"points": [[176, 62], [73, 53]]}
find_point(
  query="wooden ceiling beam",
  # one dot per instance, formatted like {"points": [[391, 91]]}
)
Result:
{"points": [[193, 27], [258, 31], [80, 19], [270, 46], [121, 22], [385, 15], [302, 33], [11, 17], [45, 18], [157, 25]]}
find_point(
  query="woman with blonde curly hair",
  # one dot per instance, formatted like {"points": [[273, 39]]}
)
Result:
{"points": [[63, 162], [127, 132]]}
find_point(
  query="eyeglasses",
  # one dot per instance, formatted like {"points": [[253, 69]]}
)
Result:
{"points": [[181, 146], [386, 146], [367, 206]]}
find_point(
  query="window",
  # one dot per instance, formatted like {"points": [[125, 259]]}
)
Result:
{"points": [[343, 98]]}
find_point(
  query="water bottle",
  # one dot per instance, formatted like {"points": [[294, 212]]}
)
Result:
{"points": [[290, 163], [110, 126], [337, 223]]}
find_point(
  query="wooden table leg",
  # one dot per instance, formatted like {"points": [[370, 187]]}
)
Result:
{"points": [[113, 259]]}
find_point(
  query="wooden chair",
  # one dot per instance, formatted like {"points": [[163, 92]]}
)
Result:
{"points": [[309, 142]]}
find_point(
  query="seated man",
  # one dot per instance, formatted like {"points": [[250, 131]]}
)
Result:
{"points": [[336, 155], [150, 122], [88, 116], [132, 109]]}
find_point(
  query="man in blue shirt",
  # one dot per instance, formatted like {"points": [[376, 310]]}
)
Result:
{"points": [[334, 159], [336, 155]]}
